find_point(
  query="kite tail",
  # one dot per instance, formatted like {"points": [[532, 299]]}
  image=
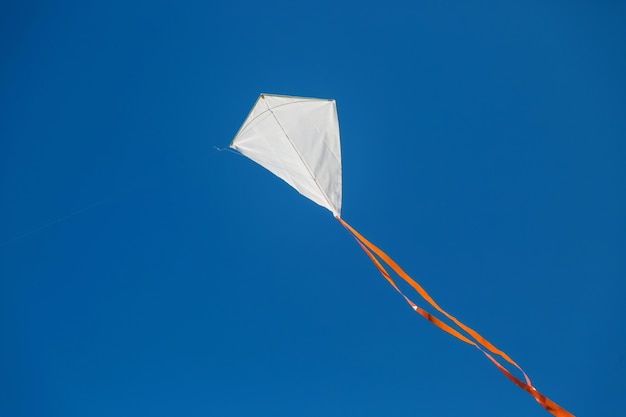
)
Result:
{"points": [[479, 341]]}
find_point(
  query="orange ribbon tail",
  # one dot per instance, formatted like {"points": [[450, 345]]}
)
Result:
{"points": [[480, 342]]}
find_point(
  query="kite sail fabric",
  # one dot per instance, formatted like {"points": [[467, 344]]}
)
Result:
{"points": [[297, 139]]}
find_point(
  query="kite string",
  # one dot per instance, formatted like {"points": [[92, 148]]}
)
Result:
{"points": [[544, 401], [53, 222], [226, 150], [114, 196]]}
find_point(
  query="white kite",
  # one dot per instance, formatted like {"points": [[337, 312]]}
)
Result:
{"points": [[297, 139]]}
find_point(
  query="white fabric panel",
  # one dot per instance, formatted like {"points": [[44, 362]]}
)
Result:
{"points": [[297, 139]]}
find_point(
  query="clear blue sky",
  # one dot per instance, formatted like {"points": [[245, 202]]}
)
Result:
{"points": [[142, 272]]}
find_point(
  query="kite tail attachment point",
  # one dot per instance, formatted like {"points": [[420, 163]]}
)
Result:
{"points": [[482, 344]]}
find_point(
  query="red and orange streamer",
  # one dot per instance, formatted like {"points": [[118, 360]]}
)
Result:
{"points": [[482, 344]]}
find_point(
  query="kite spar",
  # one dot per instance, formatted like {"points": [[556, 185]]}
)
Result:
{"points": [[297, 139]]}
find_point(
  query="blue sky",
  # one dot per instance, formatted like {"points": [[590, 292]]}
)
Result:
{"points": [[142, 272]]}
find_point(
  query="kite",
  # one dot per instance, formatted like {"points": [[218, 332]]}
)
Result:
{"points": [[297, 139]]}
